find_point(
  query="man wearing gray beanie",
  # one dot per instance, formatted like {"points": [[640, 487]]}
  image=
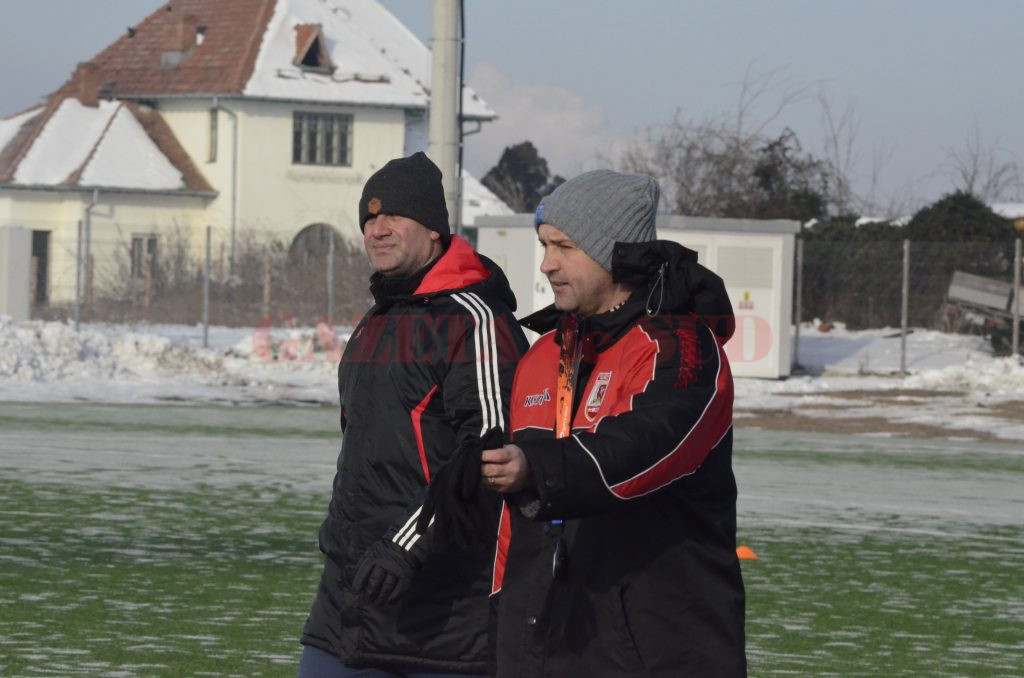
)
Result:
{"points": [[617, 551]]}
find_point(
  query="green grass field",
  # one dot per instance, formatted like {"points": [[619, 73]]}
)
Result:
{"points": [[182, 542]]}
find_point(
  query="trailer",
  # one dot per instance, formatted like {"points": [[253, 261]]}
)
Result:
{"points": [[974, 301]]}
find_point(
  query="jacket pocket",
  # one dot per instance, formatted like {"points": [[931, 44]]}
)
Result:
{"points": [[631, 656]]}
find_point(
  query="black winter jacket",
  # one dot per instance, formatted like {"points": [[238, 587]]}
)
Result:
{"points": [[620, 559], [422, 371]]}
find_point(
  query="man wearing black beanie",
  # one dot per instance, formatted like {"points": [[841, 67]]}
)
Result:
{"points": [[426, 372]]}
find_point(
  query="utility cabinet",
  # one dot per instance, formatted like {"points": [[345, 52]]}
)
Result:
{"points": [[755, 259], [15, 271], [511, 241]]}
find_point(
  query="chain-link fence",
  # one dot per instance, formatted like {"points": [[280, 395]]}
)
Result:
{"points": [[895, 283], [179, 274]]}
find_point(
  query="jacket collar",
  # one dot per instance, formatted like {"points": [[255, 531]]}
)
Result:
{"points": [[458, 268]]}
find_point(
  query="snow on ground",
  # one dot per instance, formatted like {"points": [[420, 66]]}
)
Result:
{"points": [[954, 382]]}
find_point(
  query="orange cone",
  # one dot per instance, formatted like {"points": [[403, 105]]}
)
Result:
{"points": [[745, 553]]}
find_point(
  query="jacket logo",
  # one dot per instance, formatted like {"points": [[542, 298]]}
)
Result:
{"points": [[537, 399], [597, 394]]}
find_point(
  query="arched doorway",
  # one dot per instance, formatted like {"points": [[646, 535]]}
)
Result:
{"points": [[312, 244]]}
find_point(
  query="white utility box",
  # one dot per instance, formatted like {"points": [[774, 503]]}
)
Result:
{"points": [[754, 258], [15, 271], [511, 241]]}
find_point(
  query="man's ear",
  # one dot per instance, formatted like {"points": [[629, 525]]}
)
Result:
{"points": [[434, 235]]}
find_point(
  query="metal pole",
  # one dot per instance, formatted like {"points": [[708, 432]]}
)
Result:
{"points": [[78, 278], [906, 304], [234, 181], [444, 93], [88, 246], [206, 292], [330, 278], [1016, 297], [799, 299]]}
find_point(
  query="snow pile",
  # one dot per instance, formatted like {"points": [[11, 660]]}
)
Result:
{"points": [[49, 361], [47, 352], [994, 377]]}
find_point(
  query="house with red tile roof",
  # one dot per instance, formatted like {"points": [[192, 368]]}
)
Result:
{"points": [[251, 116]]}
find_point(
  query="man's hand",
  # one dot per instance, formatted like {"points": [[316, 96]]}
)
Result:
{"points": [[505, 469], [384, 572]]}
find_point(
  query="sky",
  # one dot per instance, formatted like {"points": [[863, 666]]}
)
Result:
{"points": [[582, 79]]}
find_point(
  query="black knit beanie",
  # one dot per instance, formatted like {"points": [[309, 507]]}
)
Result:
{"points": [[407, 187]]}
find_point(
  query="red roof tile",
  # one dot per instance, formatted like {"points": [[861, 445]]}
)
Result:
{"points": [[221, 64]]}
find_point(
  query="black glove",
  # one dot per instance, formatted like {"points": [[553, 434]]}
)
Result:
{"points": [[384, 572], [461, 513]]}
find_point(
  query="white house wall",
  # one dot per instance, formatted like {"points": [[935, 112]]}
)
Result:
{"points": [[115, 219], [277, 198]]}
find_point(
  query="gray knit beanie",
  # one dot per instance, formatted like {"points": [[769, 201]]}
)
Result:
{"points": [[600, 208]]}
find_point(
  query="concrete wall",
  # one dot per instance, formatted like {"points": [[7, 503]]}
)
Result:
{"points": [[15, 271]]}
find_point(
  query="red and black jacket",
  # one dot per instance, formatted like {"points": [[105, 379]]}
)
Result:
{"points": [[430, 365], [620, 560]]}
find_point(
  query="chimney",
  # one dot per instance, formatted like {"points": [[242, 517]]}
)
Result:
{"points": [[186, 33], [88, 77]]}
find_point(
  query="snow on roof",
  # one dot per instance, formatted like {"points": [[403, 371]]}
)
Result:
{"points": [[127, 157], [65, 142], [1009, 210], [101, 146], [477, 201], [10, 127], [377, 59]]}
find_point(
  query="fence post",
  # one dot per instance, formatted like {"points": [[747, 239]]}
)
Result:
{"points": [[78, 278], [906, 304], [330, 278], [799, 299], [1016, 297], [206, 293], [149, 283], [33, 287], [265, 304], [88, 281]]}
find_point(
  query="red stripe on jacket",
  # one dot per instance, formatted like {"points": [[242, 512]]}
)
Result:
{"points": [[693, 449], [501, 551], [417, 429]]}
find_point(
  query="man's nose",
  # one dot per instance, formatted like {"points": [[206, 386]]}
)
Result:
{"points": [[378, 228], [547, 264]]}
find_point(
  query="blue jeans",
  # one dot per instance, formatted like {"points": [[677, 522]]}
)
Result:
{"points": [[316, 663]]}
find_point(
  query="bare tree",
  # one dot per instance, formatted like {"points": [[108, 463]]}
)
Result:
{"points": [[840, 142], [730, 166], [989, 172]]}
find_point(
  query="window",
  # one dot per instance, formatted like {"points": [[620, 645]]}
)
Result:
{"points": [[322, 139], [311, 49], [213, 136], [143, 252]]}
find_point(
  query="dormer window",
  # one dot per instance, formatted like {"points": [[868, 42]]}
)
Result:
{"points": [[311, 49]]}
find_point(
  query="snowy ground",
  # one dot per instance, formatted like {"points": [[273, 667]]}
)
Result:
{"points": [[955, 387]]}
